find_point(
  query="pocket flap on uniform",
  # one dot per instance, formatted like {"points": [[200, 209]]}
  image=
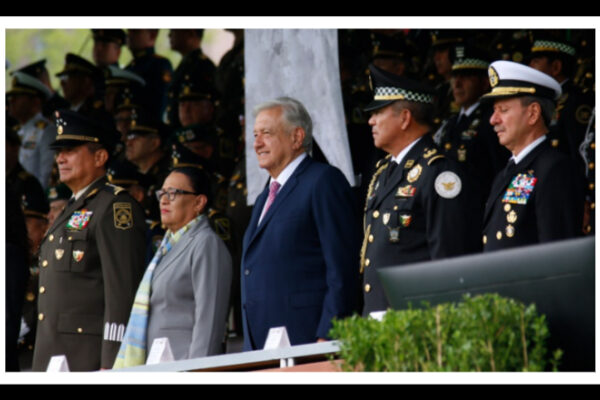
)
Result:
{"points": [[77, 235], [81, 324]]}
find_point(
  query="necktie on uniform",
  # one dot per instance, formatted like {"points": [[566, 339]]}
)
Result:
{"points": [[390, 170], [509, 167]]}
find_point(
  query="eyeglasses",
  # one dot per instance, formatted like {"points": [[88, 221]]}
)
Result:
{"points": [[172, 193]]}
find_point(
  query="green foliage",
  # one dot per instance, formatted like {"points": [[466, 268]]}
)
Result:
{"points": [[481, 333]]}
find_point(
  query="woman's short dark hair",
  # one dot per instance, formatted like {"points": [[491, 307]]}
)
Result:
{"points": [[198, 178]]}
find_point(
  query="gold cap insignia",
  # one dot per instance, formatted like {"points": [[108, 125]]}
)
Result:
{"points": [[493, 77]]}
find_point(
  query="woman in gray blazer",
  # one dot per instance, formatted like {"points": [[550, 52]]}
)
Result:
{"points": [[184, 294]]}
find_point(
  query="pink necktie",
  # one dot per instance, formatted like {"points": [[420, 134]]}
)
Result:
{"points": [[273, 188]]}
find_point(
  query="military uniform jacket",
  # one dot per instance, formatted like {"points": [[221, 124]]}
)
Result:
{"points": [[35, 156], [538, 200], [91, 262], [473, 143], [157, 71], [425, 211]]}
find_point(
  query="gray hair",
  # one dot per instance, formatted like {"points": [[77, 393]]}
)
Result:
{"points": [[547, 107], [294, 114]]}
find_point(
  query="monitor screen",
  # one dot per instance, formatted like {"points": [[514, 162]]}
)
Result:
{"points": [[558, 277]]}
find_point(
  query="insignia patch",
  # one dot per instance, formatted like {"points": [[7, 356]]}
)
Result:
{"points": [[520, 189], [406, 191], [58, 253], [414, 173], [405, 220], [462, 155], [122, 215], [583, 114], [77, 255], [409, 164], [79, 219], [386, 218], [448, 185]]}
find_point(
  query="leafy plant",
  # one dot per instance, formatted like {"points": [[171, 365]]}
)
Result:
{"points": [[481, 333]]}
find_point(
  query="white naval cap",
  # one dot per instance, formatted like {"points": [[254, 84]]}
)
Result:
{"points": [[510, 79], [23, 83]]}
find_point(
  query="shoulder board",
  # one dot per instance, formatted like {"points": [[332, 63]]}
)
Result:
{"points": [[41, 124], [433, 159], [388, 157], [92, 193], [114, 189], [154, 224]]}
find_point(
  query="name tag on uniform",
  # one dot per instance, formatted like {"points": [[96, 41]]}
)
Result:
{"points": [[520, 189], [79, 219]]}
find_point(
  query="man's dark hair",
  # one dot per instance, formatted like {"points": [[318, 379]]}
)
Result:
{"points": [[547, 106], [421, 112]]}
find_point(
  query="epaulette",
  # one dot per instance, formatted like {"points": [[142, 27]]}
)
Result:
{"points": [[114, 189], [389, 156], [433, 159]]}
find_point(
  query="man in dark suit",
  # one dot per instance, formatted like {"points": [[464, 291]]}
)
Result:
{"points": [[299, 265], [539, 195], [420, 204], [92, 258]]}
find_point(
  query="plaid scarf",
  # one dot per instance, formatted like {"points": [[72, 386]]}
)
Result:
{"points": [[134, 346]]}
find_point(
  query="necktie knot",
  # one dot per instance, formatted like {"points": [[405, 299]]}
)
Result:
{"points": [[274, 188]]}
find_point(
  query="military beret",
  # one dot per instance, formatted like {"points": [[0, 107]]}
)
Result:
{"points": [[511, 79], [389, 87], [23, 83]]}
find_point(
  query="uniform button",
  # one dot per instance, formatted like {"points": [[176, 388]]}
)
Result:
{"points": [[447, 146], [70, 237], [239, 185], [593, 206], [51, 237], [41, 316], [588, 229], [45, 263], [498, 235], [42, 289], [30, 296], [246, 272], [371, 238], [593, 146], [591, 165], [591, 186], [484, 239], [375, 214], [367, 262], [367, 288], [79, 330], [232, 204]]}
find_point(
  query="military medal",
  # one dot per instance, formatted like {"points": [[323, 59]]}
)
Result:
{"points": [[79, 219], [386, 218], [462, 154], [77, 255], [414, 173], [510, 231], [394, 234], [511, 217], [59, 253], [406, 191], [520, 189], [405, 220]]}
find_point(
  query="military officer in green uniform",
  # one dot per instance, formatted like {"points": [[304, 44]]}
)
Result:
{"points": [[92, 258], [419, 203]]}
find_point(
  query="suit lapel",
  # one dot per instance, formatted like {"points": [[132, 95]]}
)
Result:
{"points": [[501, 182], [180, 247], [285, 191]]}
